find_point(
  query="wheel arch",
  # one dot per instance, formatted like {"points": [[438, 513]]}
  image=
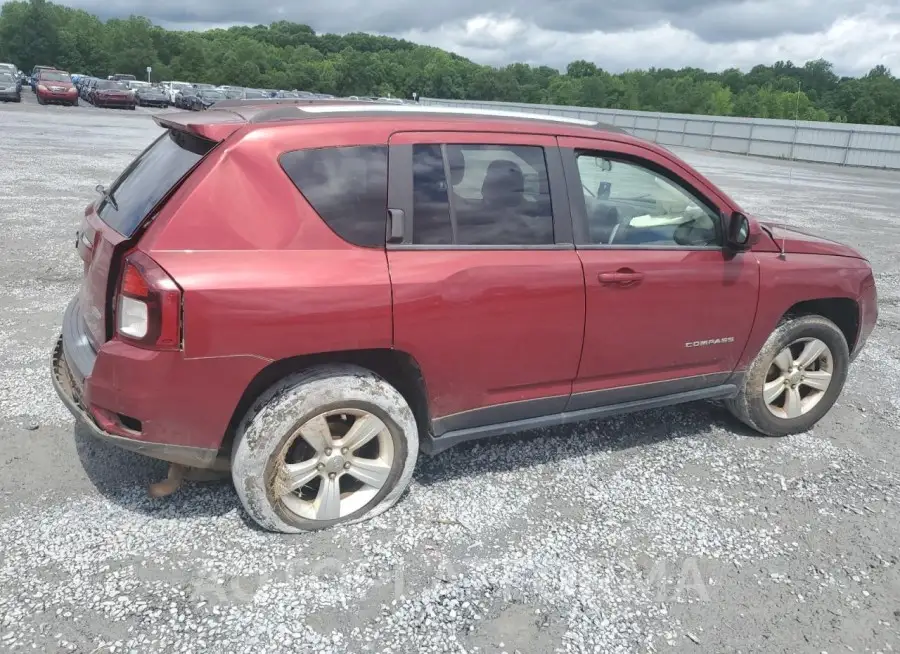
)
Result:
{"points": [[398, 368], [842, 311]]}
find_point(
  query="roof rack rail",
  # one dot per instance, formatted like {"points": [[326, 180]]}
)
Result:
{"points": [[264, 102], [368, 108]]}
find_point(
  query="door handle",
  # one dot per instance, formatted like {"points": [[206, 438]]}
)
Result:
{"points": [[608, 277], [621, 277]]}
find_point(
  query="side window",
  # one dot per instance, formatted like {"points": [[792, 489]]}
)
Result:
{"points": [[347, 186], [629, 204], [481, 195]]}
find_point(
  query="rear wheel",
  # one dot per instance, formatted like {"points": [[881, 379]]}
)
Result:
{"points": [[332, 445], [795, 379]]}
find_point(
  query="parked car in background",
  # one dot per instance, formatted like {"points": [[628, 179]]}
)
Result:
{"points": [[122, 77], [254, 94], [112, 93], [10, 91], [204, 99], [507, 271], [32, 79], [233, 92], [151, 96], [172, 89], [84, 87], [183, 98], [14, 72], [55, 86]]}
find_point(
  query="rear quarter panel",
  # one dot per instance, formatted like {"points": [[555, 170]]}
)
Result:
{"points": [[798, 278], [262, 274]]}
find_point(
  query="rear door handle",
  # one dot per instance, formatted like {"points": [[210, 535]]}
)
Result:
{"points": [[622, 277]]}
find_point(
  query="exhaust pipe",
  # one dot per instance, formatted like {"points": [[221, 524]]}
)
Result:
{"points": [[171, 483], [178, 473]]}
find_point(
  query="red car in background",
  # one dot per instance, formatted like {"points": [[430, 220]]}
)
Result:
{"points": [[55, 86], [112, 93]]}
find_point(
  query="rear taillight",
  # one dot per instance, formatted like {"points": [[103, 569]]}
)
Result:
{"points": [[147, 305]]}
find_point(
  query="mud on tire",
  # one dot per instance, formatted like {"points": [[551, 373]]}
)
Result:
{"points": [[750, 407], [269, 442]]}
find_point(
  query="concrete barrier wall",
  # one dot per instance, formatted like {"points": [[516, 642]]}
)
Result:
{"points": [[873, 146]]}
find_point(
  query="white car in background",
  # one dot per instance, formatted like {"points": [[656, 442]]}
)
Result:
{"points": [[172, 89]]}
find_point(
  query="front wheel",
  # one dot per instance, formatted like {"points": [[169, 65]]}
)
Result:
{"points": [[335, 444], [795, 379]]}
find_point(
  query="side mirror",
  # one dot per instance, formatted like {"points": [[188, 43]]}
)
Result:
{"points": [[737, 232]]}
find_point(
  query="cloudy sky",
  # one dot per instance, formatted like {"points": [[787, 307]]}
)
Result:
{"points": [[712, 34]]}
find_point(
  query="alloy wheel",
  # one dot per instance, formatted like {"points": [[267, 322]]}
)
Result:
{"points": [[798, 378], [334, 464]]}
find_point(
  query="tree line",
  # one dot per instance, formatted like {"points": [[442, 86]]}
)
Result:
{"points": [[287, 55]]}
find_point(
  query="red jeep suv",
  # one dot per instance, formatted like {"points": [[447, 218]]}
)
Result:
{"points": [[310, 294]]}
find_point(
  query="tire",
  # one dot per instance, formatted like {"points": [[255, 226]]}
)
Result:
{"points": [[75, 103], [39, 100], [750, 406], [269, 433]]}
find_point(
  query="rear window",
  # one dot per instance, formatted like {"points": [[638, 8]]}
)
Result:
{"points": [[104, 84], [149, 178], [347, 186], [55, 76]]}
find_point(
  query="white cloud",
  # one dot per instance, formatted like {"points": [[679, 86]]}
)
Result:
{"points": [[854, 44]]}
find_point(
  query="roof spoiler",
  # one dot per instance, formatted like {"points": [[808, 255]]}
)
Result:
{"points": [[210, 125]]}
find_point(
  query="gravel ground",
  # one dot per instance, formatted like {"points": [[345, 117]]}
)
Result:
{"points": [[674, 530]]}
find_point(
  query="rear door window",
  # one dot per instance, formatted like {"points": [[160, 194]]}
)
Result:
{"points": [[149, 178], [347, 186], [481, 194]]}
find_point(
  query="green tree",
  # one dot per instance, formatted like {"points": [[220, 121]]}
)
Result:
{"points": [[291, 55]]}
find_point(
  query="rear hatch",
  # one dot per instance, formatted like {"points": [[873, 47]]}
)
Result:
{"points": [[114, 222]]}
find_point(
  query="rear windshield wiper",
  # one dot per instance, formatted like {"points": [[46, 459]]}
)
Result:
{"points": [[106, 196]]}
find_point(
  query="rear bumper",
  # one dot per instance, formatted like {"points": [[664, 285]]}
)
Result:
{"points": [[69, 392], [159, 403], [65, 98], [113, 102]]}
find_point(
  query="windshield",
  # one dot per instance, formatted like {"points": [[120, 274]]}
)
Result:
{"points": [[149, 178], [54, 76], [6, 77], [111, 84]]}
